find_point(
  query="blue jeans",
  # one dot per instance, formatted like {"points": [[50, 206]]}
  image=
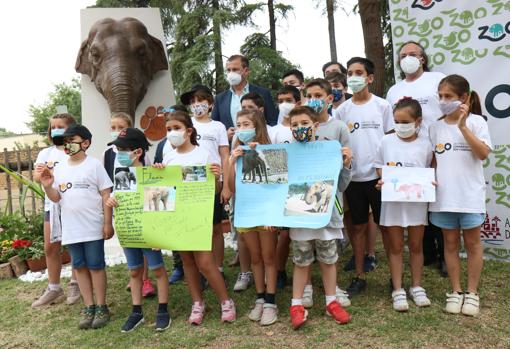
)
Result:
{"points": [[89, 254], [135, 256]]}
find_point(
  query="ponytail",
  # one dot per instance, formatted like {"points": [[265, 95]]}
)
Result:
{"points": [[193, 137], [475, 106]]}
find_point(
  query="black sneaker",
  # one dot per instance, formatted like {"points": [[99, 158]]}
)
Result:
{"points": [[369, 263], [101, 317], [356, 287], [132, 322], [281, 280], [350, 265], [87, 317], [163, 321]]}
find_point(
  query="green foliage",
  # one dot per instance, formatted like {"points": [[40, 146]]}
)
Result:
{"points": [[27, 185], [67, 94], [388, 46], [5, 133], [16, 227]]}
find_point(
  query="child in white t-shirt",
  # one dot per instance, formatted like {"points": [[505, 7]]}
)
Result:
{"points": [[322, 242], [82, 187], [51, 158], [405, 148], [461, 143]]}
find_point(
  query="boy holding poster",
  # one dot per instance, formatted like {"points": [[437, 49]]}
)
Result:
{"points": [[131, 145], [407, 148], [304, 123]]}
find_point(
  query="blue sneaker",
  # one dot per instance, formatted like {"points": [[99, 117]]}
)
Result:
{"points": [[370, 263], [177, 275], [350, 265]]}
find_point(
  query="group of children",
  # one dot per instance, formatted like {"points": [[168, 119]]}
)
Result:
{"points": [[372, 133]]}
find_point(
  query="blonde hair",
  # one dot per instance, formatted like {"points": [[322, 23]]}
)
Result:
{"points": [[123, 116], [255, 116], [68, 119]]}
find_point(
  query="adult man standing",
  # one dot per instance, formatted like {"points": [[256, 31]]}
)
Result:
{"points": [[228, 103]]}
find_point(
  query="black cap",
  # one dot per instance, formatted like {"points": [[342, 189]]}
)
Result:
{"points": [[186, 96], [131, 138], [77, 130]]}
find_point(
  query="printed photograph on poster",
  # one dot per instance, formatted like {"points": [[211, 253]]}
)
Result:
{"points": [[159, 199], [194, 173], [125, 179], [265, 166], [408, 184], [305, 199]]}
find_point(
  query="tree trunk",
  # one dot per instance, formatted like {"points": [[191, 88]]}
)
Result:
{"points": [[272, 24], [370, 14], [330, 8], [219, 80]]}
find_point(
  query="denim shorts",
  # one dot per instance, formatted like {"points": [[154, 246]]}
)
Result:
{"points": [[456, 220], [135, 256], [89, 254]]}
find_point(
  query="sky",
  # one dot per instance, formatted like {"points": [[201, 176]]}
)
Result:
{"points": [[40, 41]]}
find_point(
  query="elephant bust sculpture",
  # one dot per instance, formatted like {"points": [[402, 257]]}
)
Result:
{"points": [[121, 58]]}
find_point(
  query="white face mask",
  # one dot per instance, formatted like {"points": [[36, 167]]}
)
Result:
{"points": [[176, 138], [448, 107], [356, 83], [410, 64], [234, 78], [405, 130], [284, 109]]}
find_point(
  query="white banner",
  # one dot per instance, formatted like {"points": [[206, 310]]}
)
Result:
{"points": [[472, 39]]}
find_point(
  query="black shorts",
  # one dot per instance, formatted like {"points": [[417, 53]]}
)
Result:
{"points": [[218, 209], [362, 196]]}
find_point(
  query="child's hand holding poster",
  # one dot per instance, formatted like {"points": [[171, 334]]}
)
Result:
{"points": [[408, 184]]}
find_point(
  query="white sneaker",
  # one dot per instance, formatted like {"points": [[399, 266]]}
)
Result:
{"points": [[269, 316], [454, 302], [419, 296], [73, 293], [342, 297], [400, 300], [307, 298], [471, 306], [256, 312], [243, 281]]}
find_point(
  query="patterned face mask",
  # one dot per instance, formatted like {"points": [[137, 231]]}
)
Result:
{"points": [[303, 134], [199, 109], [72, 148]]}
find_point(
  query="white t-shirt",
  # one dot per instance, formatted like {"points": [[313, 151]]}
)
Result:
{"points": [[211, 136], [424, 90], [82, 205], [199, 156], [280, 134], [395, 152], [459, 173], [367, 124], [51, 157]]}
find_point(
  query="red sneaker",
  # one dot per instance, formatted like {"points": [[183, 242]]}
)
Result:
{"points": [[147, 288], [339, 314], [298, 316]]}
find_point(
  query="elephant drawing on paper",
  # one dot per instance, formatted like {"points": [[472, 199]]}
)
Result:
{"points": [[156, 195], [253, 165], [319, 195], [124, 179], [409, 189], [121, 58]]}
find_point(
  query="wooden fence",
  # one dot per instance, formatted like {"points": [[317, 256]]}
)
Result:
{"points": [[21, 161]]}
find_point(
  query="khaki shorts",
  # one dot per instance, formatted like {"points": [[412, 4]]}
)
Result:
{"points": [[248, 230], [303, 252]]}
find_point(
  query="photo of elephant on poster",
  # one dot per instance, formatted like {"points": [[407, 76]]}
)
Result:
{"points": [[265, 167], [304, 199], [125, 179], [159, 199]]}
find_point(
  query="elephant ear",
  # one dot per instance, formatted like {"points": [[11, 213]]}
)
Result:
{"points": [[83, 64], [159, 58]]}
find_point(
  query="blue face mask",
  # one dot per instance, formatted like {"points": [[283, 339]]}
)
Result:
{"points": [[56, 132], [337, 94], [124, 158], [114, 135], [317, 105], [246, 135]]}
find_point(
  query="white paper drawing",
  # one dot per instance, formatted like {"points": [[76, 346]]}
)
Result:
{"points": [[408, 184]]}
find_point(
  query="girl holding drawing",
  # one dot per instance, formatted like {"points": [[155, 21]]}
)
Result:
{"points": [[408, 148], [462, 142], [261, 241], [183, 136]]}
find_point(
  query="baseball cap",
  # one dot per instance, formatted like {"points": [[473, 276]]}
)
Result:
{"points": [[77, 130], [131, 138], [186, 96]]}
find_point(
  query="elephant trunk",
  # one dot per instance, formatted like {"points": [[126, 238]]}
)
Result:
{"points": [[122, 92]]}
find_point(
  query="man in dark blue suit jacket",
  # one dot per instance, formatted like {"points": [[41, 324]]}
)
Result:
{"points": [[228, 103]]}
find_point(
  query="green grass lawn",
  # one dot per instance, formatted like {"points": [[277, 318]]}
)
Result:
{"points": [[374, 323]]}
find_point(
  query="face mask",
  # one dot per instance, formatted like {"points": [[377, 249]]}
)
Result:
{"points": [[176, 138], [284, 109], [337, 94], [114, 135], [56, 132], [234, 78], [316, 104], [246, 135], [124, 158], [303, 134], [72, 148], [356, 83], [199, 109], [410, 64], [448, 107], [405, 130]]}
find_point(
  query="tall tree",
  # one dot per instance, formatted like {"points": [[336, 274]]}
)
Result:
{"points": [[272, 24], [330, 9]]}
